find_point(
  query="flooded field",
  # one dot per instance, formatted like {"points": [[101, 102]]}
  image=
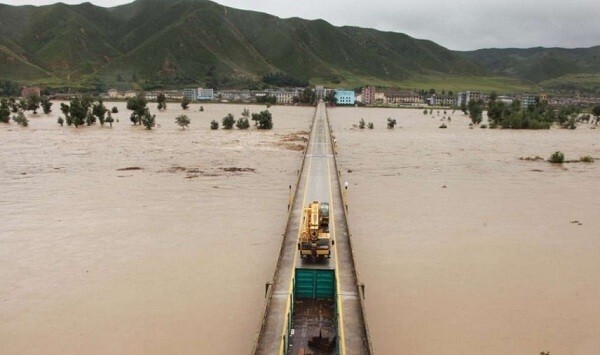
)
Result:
{"points": [[131, 241], [463, 247]]}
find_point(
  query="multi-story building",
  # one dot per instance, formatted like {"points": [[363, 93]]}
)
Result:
{"points": [[236, 96], [528, 100], [344, 97], [467, 96], [368, 95], [205, 94], [286, 97], [191, 94], [401, 97]]}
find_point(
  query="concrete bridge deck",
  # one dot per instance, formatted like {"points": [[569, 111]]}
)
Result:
{"points": [[318, 181]]}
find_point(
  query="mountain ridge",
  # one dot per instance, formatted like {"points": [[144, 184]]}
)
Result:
{"points": [[160, 43]]}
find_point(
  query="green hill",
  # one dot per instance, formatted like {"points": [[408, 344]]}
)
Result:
{"points": [[173, 43], [548, 67]]}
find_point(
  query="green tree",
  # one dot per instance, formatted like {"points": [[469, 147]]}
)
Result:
{"points": [[185, 102], [475, 111], [114, 109], [371, 125], [425, 112], [99, 111], [214, 125], [308, 96], [90, 119], [463, 107], [162, 101], [330, 97], [596, 112], [361, 123], [32, 103], [391, 123], [14, 107], [77, 112], [246, 113], [557, 158], [60, 121], [264, 119], [4, 111], [110, 119], [242, 123], [138, 107], [21, 119], [148, 120], [182, 121], [228, 121], [493, 96], [46, 105]]}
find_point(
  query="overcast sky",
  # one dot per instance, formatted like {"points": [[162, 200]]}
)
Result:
{"points": [[458, 24]]}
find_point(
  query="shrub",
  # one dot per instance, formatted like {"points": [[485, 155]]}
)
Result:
{"points": [[557, 158], [214, 125], [371, 125], [587, 159], [182, 121], [228, 121]]}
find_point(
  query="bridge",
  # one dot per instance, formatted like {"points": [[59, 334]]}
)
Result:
{"points": [[316, 302]]}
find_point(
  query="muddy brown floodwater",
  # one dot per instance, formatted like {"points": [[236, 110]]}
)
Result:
{"points": [[124, 240], [464, 248]]}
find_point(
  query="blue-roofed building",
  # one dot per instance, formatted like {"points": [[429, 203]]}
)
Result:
{"points": [[344, 97]]}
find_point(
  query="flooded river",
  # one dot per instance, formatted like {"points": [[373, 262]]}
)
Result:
{"points": [[463, 247], [128, 241]]}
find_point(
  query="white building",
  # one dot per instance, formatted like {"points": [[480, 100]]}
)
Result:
{"points": [[206, 94]]}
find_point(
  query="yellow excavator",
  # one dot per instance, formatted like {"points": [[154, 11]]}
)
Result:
{"points": [[315, 241]]}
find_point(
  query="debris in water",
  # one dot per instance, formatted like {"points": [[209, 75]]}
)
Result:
{"points": [[131, 168]]}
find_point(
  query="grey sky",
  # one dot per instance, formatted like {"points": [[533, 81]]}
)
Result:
{"points": [[458, 24]]}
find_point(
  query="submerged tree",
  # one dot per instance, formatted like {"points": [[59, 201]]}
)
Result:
{"points": [[242, 123], [99, 111], [391, 123], [361, 123], [185, 102], [109, 119], [147, 119], [228, 121], [264, 119], [162, 101], [214, 125], [182, 121], [4, 111], [475, 111], [46, 105], [138, 107], [21, 119]]}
